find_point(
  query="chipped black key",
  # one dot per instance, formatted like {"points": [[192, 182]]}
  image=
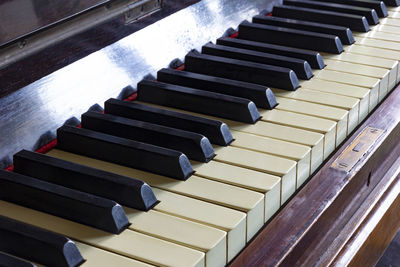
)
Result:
{"points": [[299, 66], [313, 58], [354, 22], [10, 261], [216, 131], [63, 202], [125, 152], [262, 96], [344, 33], [379, 6], [37, 245], [241, 70], [195, 146], [368, 13], [124, 190], [219, 105], [290, 37]]}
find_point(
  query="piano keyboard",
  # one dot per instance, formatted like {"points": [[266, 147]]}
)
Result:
{"points": [[207, 219]]}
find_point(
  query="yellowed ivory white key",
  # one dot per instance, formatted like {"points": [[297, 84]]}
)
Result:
{"points": [[269, 185], [285, 133], [284, 168], [359, 69], [377, 52], [204, 238], [385, 28], [96, 257], [393, 9], [378, 43], [317, 110], [226, 195], [299, 153], [128, 243], [368, 98], [280, 132], [305, 122], [393, 15], [352, 105], [379, 35], [390, 65], [390, 21]]}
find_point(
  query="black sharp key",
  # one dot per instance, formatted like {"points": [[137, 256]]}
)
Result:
{"points": [[313, 58], [379, 6], [262, 96], [354, 22], [37, 245], [368, 13], [390, 2], [216, 131], [195, 146], [124, 190], [241, 70], [344, 33], [290, 37], [125, 152], [219, 105], [299, 66], [10, 261], [63, 202]]}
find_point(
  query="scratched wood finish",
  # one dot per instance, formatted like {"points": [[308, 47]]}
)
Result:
{"points": [[312, 228], [24, 72], [378, 227]]}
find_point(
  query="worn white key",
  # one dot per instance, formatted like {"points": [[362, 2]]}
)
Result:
{"points": [[269, 185], [393, 15], [385, 28], [318, 110], [368, 98], [350, 79], [390, 65], [96, 257], [359, 69], [379, 36], [305, 122], [128, 243], [204, 238], [348, 103], [284, 168], [377, 52], [285, 133], [299, 153], [226, 195], [393, 9], [378, 43], [390, 21]]}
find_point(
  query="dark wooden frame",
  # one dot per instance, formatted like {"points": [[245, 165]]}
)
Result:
{"points": [[323, 224]]}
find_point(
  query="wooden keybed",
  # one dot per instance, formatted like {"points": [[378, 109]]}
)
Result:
{"points": [[349, 212]]}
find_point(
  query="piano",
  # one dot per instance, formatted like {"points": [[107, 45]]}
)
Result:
{"points": [[257, 133]]}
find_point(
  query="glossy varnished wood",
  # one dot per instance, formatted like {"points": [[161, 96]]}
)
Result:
{"points": [[312, 228], [19, 18]]}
